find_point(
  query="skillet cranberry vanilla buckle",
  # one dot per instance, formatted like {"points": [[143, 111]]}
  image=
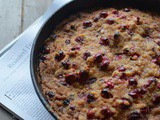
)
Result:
{"points": [[104, 65]]}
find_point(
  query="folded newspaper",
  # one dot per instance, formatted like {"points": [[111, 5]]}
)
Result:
{"points": [[17, 93]]}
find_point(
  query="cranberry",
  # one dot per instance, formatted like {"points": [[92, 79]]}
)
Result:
{"points": [[43, 57], [157, 60], [87, 24], [124, 27], [91, 80], [158, 43], [103, 14], [142, 90], [123, 76], [96, 19], [66, 102], [79, 40], [110, 85], [104, 41], [110, 21], [126, 10], [86, 55], [126, 103], [144, 110], [59, 56], [158, 86], [104, 64], [156, 99], [98, 57], [132, 82], [106, 94], [50, 94], [66, 64], [115, 12], [72, 108], [134, 116], [83, 75], [133, 94], [116, 35], [75, 48], [122, 69], [67, 42], [53, 36], [107, 112], [71, 78], [90, 98], [152, 80], [90, 114], [46, 50]]}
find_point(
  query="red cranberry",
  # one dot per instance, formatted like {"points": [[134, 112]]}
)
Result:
{"points": [[96, 19], [142, 90], [115, 12], [47, 50], [90, 114], [110, 21], [90, 98], [124, 105], [71, 78], [66, 64], [122, 69], [87, 24], [43, 57], [66, 102], [123, 77], [116, 35], [103, 14], [83, 75], [110, 85], [144, 110], [91, 80], [124, 27], [106, 94], [72, 108], [67, 42], [157, 60], [156, 99], [79, 40], [50, 94], [98, 57], [158, 86], [133, 94], [107, 112], [134, 116], [75, 48], [104, 41], [104, 64], [59, 56], [86, 55], [126, 10], [158, 43], [132, 82], [53, 36]]}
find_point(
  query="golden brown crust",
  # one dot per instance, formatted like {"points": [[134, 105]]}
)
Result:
{"points": [[104, 65]]}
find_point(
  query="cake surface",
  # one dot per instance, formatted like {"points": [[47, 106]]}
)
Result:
{"points": [[104, 65]]}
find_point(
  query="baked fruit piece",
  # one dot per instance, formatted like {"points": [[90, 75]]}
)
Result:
{"points": [[104, 65]]}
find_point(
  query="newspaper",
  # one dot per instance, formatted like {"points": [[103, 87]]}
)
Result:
{"points": [[17, 93]]}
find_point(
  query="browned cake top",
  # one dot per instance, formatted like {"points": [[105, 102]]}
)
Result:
{"points": [[104, 65]]}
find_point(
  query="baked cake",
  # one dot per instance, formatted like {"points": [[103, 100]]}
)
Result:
{"points": [[103, 65]]}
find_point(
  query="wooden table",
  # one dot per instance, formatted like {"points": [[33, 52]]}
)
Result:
{"points": [[15, 17]]}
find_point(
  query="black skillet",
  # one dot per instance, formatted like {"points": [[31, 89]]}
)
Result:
{"points": [[72, 7]]}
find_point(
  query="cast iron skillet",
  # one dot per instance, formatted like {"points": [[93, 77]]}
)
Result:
{"points": [[72, 7]]}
